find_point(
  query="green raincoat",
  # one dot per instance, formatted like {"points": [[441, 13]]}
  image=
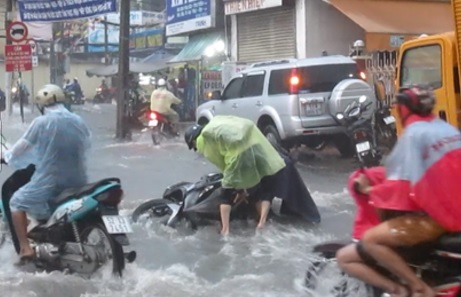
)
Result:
{"points": [[237, 147]]}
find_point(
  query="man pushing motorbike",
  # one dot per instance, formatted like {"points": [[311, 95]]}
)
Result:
{"points": [[56, 143], [415, 196], [248, 160]]}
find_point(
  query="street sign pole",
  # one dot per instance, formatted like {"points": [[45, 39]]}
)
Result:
{"points": [[8, 76]]}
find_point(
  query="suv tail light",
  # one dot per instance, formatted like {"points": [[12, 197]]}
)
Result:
{"points": [[363, 75], [294, 81]]}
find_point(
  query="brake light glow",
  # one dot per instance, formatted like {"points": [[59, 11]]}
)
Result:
{"points": [[153, 116], [294, 81], [363, 75], [360, 134]]}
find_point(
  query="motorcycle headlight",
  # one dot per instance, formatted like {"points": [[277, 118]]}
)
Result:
{"points": [[339, 116], [14, 90], [98, 90]]}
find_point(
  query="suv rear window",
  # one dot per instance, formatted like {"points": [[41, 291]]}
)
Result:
{"points": [[313, 79]]}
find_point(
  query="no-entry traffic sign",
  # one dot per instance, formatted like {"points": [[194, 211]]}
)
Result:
{"points": [[17, 31], [18, 57]]}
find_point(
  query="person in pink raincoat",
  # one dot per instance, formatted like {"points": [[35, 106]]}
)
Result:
{"points": [[421, 184]]}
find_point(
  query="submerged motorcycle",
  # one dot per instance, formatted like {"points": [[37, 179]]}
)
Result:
{"points": [[84, 232], [438, 264], [198, 203], [160, 127], [368, 134]]}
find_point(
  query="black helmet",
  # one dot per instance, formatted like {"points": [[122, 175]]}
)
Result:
{"points": [[191, 134], [418, 99]]}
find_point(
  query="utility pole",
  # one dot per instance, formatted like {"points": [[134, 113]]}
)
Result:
{"points": [[8, 76], [106, 42], [123, 69]]}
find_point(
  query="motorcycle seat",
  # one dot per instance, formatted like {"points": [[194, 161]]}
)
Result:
{"points": [[450, 243], [78, 193]]}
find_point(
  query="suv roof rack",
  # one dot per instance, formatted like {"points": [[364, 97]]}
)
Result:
{"points": [[274, 62]]}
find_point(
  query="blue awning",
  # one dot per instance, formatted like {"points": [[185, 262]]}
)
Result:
{"points": [[195, 48]]}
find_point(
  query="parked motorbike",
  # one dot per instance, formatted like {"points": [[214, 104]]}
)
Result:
{"points": [[368, 133], [160, 127], [84, 232], [438, 264]]}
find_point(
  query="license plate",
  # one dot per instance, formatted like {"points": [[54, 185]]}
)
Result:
{"points": [[153, 123], [314, 108], [117, 224], [389, 120], [363, 147]]}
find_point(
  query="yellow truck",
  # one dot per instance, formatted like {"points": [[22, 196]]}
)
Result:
{"points": [[435, 60]]}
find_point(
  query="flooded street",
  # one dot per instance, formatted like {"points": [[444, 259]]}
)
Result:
{"points": [[176, 262]]}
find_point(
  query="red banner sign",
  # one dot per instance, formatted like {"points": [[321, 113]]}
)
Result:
{"points": [[18, 57]]}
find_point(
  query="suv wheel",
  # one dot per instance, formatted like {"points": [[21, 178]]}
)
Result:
{"points": [[344, 146], [273, 136]]}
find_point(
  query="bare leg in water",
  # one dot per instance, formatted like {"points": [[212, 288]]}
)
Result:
{"points": [[263, 208], [20, 226], [225, 210], [350, 262]]}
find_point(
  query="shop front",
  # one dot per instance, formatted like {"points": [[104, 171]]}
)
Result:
{"points": [[386, 25], [196, 68], [263, 30]]}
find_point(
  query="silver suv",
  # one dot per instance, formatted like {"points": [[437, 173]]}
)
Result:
{"points": [[293, 101]]}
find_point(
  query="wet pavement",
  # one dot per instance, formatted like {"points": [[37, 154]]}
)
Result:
{"points": [[176, 263]]}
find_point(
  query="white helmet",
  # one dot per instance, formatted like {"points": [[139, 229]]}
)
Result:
{"points": [[49, 95], [161, 83]]}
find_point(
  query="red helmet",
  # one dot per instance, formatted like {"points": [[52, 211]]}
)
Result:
{"points": [[418, 99]]}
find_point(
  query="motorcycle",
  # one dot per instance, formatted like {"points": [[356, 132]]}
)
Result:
{"points": [[160, 127], [438, 264], [68, 240], [367, 133], [197, 203], [73, 99], [194, 202], [102, 96]]}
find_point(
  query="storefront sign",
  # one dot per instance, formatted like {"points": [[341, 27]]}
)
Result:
{"points": [[234, 7], [211, 81], [61, 10], [396, 40], [187, 16], [146, 39]]}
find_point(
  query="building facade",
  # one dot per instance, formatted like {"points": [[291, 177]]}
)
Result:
{"points": [[274, 29]]}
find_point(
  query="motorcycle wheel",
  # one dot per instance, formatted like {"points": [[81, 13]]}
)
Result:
{"points": [[4, 230], [320, 272], [156, 207], [113, 250], [155, 134]]}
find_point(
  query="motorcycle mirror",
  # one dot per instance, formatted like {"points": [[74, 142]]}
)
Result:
{"points": [[362, 99], [354, 112]]}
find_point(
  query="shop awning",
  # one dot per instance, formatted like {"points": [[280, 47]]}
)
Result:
{"points": [[398, 17], [136, 67], [195, 48]]}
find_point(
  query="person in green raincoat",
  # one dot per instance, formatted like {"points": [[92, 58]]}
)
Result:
{"points": [[246, 158]]}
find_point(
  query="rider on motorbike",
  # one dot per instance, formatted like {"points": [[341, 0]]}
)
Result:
{"points": [[56, 143], [246, 158], [422, 175], [161, 101]]}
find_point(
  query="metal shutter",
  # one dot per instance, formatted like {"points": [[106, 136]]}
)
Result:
{"points": [[266, 34]]}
